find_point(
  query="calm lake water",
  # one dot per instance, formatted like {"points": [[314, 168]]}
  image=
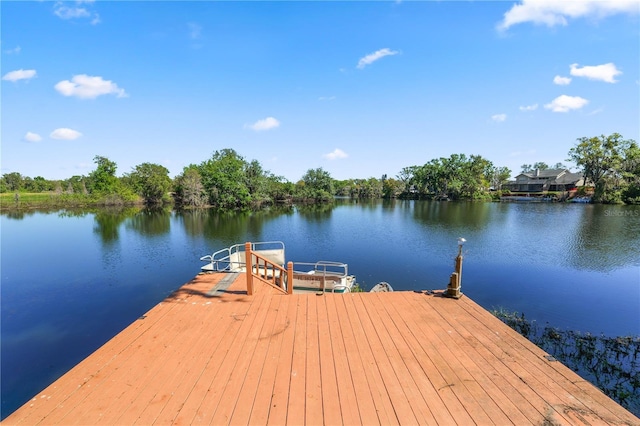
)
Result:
{"points": [[71, 280]]}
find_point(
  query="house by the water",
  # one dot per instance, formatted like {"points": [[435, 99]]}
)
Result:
{"points": [[540, 182]]}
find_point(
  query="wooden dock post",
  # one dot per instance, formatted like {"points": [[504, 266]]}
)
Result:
{"points": [[290, 277], [248, 267], [455, 280]]}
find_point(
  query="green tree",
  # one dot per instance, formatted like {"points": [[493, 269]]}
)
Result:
{"points": [[364, 188], [38, 184], [13, 181], [602, 159], [188, 188], [76, 185], [499, 176], [391, 188], [631, 174], [454, 177], [103, 179], [224, 180], [540, 165], [407, 178], [316, 184], [151, 182]]}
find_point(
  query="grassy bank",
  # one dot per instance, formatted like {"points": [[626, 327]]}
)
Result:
{"points": [[30, 200]]}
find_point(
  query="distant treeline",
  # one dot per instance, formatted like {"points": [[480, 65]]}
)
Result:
{"points": [[228, 181]]}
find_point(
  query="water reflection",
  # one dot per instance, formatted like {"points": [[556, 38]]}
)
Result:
{"points": [[315, 213], [460, 215], [151, 222], [108, 220], [605, 238], [228, 227]]}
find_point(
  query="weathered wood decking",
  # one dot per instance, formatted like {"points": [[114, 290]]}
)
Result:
{"points": [[360, 358]]}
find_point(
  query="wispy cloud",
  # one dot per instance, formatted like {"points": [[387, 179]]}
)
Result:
{"points": [[499, 118], [264, 124], [32, 137], [19, 75], [561, 81], [604, 72], [529, 107], [89, 87], [552, 13], [566, 103], [372, 57], [63, 11], [64, 133], [336, 154], [15, 51], [195, 30], [326, 98]]}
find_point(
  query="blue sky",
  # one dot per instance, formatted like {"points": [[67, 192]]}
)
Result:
{"points": [[360, 89]]}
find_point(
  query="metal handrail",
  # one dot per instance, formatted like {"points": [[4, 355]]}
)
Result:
{"points": [[220, 261], [324, 269]]}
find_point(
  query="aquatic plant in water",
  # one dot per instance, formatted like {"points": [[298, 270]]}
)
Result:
{"points": [[610, 363]]}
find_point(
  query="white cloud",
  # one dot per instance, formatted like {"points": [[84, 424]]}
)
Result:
{"points": [[19, 75], [32, 137], [566, 103], [326, 98], [499, 118], [62, 11], [554, 12], [336, 154], [87, 87], [265, 124], [604, 72], [65, 134], [529, 107], [372, 57], [561, 81], [16, 50]]}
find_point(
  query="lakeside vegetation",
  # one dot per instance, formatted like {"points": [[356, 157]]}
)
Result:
{"points": [[610, 363], [228, 181]]}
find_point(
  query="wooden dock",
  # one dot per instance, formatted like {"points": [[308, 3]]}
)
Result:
{"points": [[206, 355]]}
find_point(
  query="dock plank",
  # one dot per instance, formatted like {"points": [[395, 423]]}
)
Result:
{"points": [[399, 355], [257, 364], [400, 403], [417, 362], [296, 407], [509, 394], [380, 397], [219, 356], [272, 391], [54, 397], [221, 402], [185, 403], [572, 395], [349, 404], [314, 413], [467, 375]]}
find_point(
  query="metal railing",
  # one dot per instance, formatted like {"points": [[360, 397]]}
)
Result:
{"points": [[233, 259], [322, 276]]}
